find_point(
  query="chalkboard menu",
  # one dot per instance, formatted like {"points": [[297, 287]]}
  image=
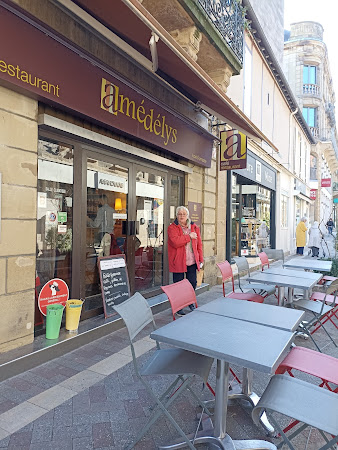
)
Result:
{"points": [[114, 282]]}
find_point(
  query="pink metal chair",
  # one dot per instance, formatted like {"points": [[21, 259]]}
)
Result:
{"points": [[313, 363], [227, 274], [180, 295], [330, 299], [264, 260]]}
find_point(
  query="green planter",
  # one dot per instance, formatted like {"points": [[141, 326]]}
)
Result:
{"points": [[53, 321]]}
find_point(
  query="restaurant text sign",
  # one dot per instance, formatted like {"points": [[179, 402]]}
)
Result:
{"points": [[35, 62], [233, 150]]}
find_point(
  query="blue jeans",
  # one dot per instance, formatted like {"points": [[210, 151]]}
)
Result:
{"points": [[330, 229], [300, 250]]}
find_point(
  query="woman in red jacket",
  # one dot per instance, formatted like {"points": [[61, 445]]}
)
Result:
{"points": [[184, 249]]}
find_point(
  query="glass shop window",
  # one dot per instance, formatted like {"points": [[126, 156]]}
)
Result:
{"points": [[54, 238]]}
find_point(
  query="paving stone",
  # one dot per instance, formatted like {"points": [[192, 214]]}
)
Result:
{"points": [[102, 435], [42, 432], [6, 405], [20, 439], [82, 443], [97, 394]]}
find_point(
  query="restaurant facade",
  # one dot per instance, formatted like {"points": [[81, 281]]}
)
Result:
{"points": [[101, 138]]}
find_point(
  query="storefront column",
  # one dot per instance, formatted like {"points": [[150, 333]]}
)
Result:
{"points": [[18, 156]]}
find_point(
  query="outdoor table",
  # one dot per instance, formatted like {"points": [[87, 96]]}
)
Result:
{"points": [[250, 345], [269, 315], [295, 273], [260, 313], [309, 264], [282, 281]]}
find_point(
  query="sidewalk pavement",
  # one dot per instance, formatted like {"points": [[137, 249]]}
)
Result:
{"points": [[91, 399]]}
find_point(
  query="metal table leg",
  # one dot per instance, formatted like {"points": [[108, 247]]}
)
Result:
{"points": [[218, 438], [250, 396]]}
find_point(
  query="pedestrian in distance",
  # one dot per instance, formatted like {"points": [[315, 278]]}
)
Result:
{"points": [[315, 238], [301, 236], [329, 225], [185, 252]]}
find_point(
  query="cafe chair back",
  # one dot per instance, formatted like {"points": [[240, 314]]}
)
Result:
{"points": [[321, 312], [244, 270], [264, 260], [329, 296], [310, 405], [184, 365], [316, 364], [180, 295], [227, 274], [274, 253]]}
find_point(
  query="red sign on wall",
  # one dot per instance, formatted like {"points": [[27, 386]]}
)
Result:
{"points": [[313, 194], [54, 291], [326, 182]]}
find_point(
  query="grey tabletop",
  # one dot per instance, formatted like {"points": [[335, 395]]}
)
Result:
{"points": [[309, 264], [269, 315], [247, 344], [301, 273], [282, 281]]}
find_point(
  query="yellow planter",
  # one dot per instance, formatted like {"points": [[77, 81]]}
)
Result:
{"points": [[73, 313]]}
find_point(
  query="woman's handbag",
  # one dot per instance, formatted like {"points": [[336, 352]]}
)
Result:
{"points": [[200, 274]]}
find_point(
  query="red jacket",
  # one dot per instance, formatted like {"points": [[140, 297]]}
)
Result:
{"points": [[176, 247]]}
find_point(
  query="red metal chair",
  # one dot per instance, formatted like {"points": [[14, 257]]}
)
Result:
{"points": [[264, 260], [329, 299], [327, 279], [227, 275], [180, 295], [313, 363]]}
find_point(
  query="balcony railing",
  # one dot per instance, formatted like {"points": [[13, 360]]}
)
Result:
{"points": [[311, 89], [315, 132], [228, 17]]}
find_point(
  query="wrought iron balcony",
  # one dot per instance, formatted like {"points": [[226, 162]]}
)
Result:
{"points": [[311, 89], [228, 17], [315, 132]]}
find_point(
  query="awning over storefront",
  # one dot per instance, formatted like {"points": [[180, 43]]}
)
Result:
{"points": [[302, 196], [133, 23]]}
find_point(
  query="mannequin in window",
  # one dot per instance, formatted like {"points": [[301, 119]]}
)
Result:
{"points": [[104, 219]]}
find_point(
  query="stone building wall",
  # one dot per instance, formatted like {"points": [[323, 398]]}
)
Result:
{"points": [[18, 166]]}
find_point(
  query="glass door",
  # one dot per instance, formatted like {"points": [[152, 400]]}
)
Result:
{"points": [[106, 220], [148, 242]]}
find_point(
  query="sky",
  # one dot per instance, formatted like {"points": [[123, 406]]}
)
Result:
{"points": [[322, 11]]}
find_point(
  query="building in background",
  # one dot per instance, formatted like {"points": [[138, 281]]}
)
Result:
{"points": [[307, 69], [275, 186]]}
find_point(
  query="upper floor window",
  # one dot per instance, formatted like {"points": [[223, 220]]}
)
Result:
{"points": [[309, 75], [310, 115], [310, 85]]}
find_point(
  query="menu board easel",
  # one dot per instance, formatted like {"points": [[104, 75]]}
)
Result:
{"points": [[114, 282]]}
